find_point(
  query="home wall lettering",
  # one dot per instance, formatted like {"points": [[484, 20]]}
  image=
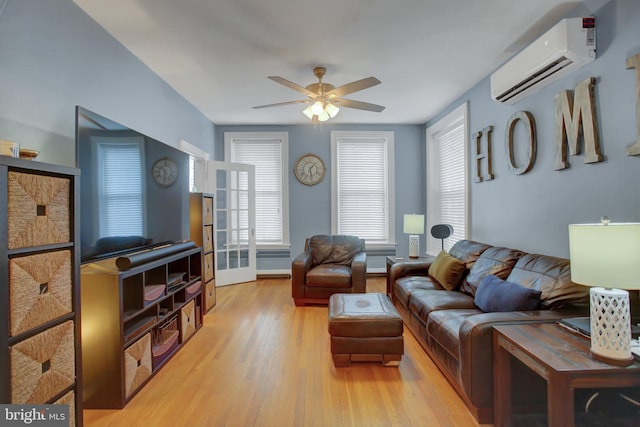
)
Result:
{"points": [[573, 116], [483, 156], [634, 62], [526, 118]]}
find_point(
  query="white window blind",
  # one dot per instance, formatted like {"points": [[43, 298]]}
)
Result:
{"points": [[120, 186], [268, 154], [447, 178], [362, 200]]}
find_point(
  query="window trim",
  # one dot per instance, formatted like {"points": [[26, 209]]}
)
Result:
{"points": [[459, 115], [283, 137], [388, 136]]}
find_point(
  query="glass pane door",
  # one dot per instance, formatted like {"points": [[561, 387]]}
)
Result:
{"points": [[235, 252]]}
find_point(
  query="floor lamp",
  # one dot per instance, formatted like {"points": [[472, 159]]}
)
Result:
{"points": [[606, 256], [414, 226]]}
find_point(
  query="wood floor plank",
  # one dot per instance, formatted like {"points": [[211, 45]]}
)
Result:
{"points": [[261, 361]]}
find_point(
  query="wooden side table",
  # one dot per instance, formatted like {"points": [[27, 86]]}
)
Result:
{"points": [[393, 259], [560, 357]]}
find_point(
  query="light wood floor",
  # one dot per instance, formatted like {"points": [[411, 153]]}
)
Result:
{"points": [[261, 361]]}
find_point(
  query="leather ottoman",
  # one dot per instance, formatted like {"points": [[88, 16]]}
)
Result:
{"points": [[365, 327]]}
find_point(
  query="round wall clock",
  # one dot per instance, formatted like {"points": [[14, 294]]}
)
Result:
{"points": [[165, 172], [309, 169]]}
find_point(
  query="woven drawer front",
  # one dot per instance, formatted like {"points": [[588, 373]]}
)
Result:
{"points": [[188, 320], [38, 210], [208, 210], [43, 365], [69, 399], [208, 267], [210, 290], [39, 289], [137, 364], [208, 238]]}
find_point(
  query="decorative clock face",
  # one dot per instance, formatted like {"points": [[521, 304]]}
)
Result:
{"points": [[309, 169], [165, 172]]}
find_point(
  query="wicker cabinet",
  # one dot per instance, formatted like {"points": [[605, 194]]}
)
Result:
{"points": [[202, 234], [134, 320], [40, 354]]}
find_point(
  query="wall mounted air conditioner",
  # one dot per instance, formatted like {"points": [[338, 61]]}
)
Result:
{"points": [[567, 46]]}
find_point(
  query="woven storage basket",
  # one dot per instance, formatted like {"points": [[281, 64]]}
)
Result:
{"points": [[69, 399], [208, 238], [210, 289], [208, 267], [188, 320], [137, 364], [39, 289], [43, 365], [208, 210], [38, 210]]}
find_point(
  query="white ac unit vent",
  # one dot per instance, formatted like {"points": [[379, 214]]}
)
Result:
{"points": [[567, 46]]}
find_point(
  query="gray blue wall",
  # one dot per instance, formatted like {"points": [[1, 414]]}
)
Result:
{"points": [[310, 207], [54, 57], [531, 212]]}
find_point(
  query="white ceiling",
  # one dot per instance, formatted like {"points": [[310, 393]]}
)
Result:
{"points": [[218, 53]]}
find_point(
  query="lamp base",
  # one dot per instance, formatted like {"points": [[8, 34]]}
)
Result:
{"points": [[414, 246], [610, 326]]}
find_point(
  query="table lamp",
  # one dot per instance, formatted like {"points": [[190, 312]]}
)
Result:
{"points": [[414, 226], [606, 256]]}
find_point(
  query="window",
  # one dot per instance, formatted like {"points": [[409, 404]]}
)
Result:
{"points": [[362, 201], [197, 166], [268, 152], [120, 187], [447, 200]]}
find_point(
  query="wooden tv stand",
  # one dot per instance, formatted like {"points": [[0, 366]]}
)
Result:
{"points": [[134, 320]]}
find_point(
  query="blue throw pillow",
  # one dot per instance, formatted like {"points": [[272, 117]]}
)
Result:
{"points": [[494, 294]]}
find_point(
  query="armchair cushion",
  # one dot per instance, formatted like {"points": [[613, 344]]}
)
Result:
{"points": [[334, 249], [495, 294], [446, 270]]}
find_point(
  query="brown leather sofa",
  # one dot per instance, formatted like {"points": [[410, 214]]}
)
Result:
{"points": [[328, 265], [456, 334]]}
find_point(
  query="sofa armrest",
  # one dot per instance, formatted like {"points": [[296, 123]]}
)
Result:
{"points": [[476, 346], [299, 268], [359, 273], [408, 268]]}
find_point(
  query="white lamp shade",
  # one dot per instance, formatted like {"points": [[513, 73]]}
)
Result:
{"points": [[332, 110], [413, 224], [317, 108], [605, 255], [307, 112], [323, 117]]}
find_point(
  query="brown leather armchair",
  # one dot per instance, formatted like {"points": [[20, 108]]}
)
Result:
{"points": [[328, 265]]}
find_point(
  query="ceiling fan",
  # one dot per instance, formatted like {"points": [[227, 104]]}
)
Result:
{"points": [[323, 99]]}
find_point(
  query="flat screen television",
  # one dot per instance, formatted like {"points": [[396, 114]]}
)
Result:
{"points": [[134, 190]]}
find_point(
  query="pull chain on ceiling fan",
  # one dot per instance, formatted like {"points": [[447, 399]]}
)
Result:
{"points": [[323, 99]]}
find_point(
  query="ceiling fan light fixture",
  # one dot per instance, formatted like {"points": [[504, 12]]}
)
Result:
{"points": [[317, 108], [331, 109], [307, 112], [323, 117]]}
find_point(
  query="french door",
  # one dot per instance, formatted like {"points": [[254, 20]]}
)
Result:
{"points": [[235, 241]]}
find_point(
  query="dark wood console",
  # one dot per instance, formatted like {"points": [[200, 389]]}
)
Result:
{"points": [[133, 321]]}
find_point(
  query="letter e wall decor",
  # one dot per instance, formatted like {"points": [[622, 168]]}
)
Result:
{"points": [[634, 62]]}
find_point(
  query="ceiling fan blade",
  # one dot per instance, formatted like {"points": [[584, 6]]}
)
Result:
{"points": [[348, 103], [278, 104], [291, 85], [354, 86]]}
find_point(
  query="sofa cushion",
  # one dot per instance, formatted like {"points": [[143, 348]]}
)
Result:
{"points": [[468, 251], [552, 277], [423, 302], [495, 294], [405, 286], [329, 276], [443, 328], [446, 270], [495, 260]]}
